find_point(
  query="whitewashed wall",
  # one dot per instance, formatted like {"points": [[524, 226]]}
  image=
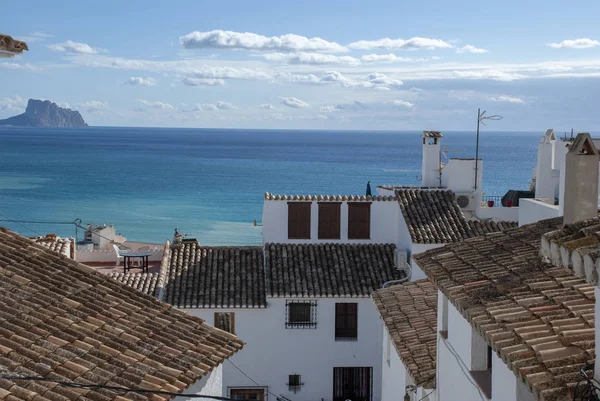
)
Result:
{"points": [[211, 384], [597, 333], [393, 373], [505, 385], [384, 223], [273, 352], [498, 213], [459, 175], [532, 210]]}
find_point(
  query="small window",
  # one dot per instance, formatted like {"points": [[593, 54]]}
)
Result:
{"points": [[329, 220], [301, 315], [299, 220], [359, 220], [346, 321], [489, 358], [294, 383], [225, 321]]}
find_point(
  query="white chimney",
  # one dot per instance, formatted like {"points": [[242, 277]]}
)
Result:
{"points": [[430, 167], [545, 183], [581, 180]]}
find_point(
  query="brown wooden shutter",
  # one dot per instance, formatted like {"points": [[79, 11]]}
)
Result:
{"points": [[359, 220], [346, 320], [299, 220], [329, 220]]}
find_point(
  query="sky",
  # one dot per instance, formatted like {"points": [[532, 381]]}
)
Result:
{"points": [[377, 65]]}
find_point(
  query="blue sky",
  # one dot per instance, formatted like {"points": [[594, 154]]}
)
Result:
{"points": [[310, 64]]}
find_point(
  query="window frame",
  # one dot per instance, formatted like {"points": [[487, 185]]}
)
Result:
{"points": [[218, 326], [295, 226], [324, 226], [312, 314], [347, 333], [354, 223], [352, 374], [296, 384]]}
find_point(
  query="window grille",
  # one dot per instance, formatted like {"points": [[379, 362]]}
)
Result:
{"points": [[301, 314], [294, 383]]}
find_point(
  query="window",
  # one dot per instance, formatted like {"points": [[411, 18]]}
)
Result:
{"points": [[329, 220], [257, 394], [301, 315], [359, 220], [352, 384], [299, 220], [346, 321], [294, 383], [225, 321]]}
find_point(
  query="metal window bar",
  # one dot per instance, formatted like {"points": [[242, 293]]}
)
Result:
{"points": [[294, 383], [300, 314], [354, 384]]}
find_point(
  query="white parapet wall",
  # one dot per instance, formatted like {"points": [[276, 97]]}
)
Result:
{"points": [[498, 213], [109, 255], [533, 210]]}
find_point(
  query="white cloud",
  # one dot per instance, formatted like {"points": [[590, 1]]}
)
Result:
{"points": [[582, 43], [293, 102], [12, 104], [471, 49], [91, 105], [156, 105], [17, 66], [220, 105], [355, 106], [267, 106], [220, 39], [141, 81], [389, 58], [209, 72], [225, 106], [400, 104], [74, 47], [509, 99], [328, 109], [415, 43], [310, 58], [34, 37], [488, 74], [189, 81]]}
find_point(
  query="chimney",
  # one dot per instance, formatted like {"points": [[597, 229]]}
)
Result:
{"points": [[581, 180], [430, 163]]}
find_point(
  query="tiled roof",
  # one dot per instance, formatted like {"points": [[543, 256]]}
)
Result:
{"points": [[56, 244], [432, 217], [11, 45], [409, 311], [394, 187], [214, 277], [144, 282], [62, 320], [328, 270], [539, 318], [335, 198], [482, 227], [432, 134]]}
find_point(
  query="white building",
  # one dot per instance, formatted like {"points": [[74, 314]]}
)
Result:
{"points": [[409, 315], [310, 328], [100, 237], [515, 314]]}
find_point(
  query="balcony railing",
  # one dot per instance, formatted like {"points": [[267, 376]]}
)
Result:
{"points": [[491, 201]]}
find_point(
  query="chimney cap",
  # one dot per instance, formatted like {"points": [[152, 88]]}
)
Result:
{"points": [[583, 145]]}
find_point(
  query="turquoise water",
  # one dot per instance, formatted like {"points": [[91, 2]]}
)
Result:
{"points": [[209, 183]]}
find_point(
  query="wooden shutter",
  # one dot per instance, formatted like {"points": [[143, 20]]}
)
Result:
{"points": [[329, 220], [299, 220], [346, 320], [225, 321], [359, 220]]}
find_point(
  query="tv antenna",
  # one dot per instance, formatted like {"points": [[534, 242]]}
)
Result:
{"points": [[444, 151], [480, 119]]}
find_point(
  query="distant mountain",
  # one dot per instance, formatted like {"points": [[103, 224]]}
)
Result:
{"points": [[44, 113]]}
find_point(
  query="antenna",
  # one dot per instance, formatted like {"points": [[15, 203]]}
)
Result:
{"points": [[480, 117]]}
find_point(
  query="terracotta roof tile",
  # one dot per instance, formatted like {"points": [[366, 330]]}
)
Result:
{"points": [[143, 282], [539, 318], [327, 270], [197, 276], [334, 198], [63, 320], [409, 311], [54, 243]]}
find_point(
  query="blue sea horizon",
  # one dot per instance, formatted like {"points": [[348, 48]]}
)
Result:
{"points": [[210, 183]]}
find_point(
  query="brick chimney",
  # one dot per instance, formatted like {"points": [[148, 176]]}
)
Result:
{"points": [[581, 180]]}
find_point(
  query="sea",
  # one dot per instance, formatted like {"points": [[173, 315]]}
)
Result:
{"points": [[210, 183]]}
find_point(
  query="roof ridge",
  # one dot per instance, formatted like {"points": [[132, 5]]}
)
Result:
{"points": [[336, 198]]}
